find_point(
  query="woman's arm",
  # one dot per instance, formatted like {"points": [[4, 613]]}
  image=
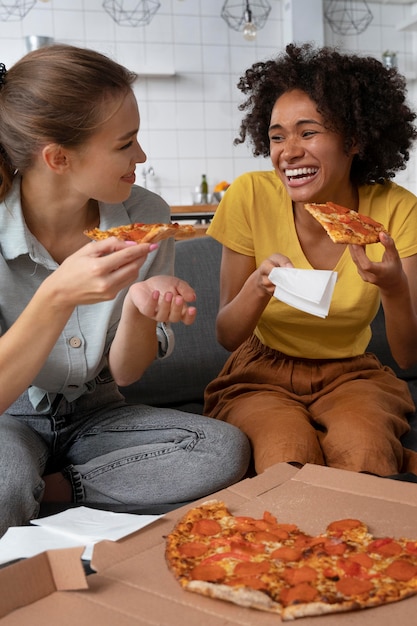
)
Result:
{"points": [[157, 299], [400, 306], [96, 273], [397, 282], [244, 293]]}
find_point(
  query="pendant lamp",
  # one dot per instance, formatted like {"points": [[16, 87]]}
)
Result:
{"points": [[12, 10], [247, 17], [348, 17], [131, 12]]}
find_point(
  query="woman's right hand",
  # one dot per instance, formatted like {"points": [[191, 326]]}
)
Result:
{"points": [[265, 268], [98, 271], [245, 291]]}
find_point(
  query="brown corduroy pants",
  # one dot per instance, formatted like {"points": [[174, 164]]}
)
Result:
{"points": [[347, 413]]}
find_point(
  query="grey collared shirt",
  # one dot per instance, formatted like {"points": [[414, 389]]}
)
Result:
{"points": [[80, 352]]}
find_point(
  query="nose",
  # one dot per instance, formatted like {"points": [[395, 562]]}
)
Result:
{"points": [[292, 149], [140, 156]]}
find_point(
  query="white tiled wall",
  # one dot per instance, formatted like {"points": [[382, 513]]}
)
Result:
{"points": [[190, 116]]}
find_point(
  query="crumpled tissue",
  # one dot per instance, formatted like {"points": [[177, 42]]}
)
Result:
{"points": [[308, 290]]}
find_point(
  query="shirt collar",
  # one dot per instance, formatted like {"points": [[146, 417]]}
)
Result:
{"points": [[16, 239]]}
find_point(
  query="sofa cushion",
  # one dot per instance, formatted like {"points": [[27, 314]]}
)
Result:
{"points": [[197, 357]]}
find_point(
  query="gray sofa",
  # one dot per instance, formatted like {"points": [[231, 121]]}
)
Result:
{"points": [[179, 380]]}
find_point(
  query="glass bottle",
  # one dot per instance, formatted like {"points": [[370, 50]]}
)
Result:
{"points": [[204, 189]]}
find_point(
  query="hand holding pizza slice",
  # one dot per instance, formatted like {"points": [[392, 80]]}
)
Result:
{"points": [[344, 225]]}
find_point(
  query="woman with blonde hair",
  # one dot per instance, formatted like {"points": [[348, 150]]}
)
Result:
{"points": [[79, 318]]}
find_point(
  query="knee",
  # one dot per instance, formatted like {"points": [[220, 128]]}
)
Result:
{"points": [[20, 501], [380, 457], [233, 451]]}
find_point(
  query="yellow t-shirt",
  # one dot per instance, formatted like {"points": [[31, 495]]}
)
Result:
{"points": [[255, 218]]}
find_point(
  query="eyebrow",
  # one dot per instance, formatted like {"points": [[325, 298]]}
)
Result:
{"points": [[299, 123], [128, 134]]}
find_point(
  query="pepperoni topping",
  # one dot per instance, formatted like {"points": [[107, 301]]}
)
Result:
{"points": [[337, 208], [385, 547], [350, 586], [343, 525], [401, 570], [206, 527], [285, 553], [192, 549], [303, 592], [349, 567], [411, 546], [210, 572], [251, 568], [248, 581], [362, 559], [303, 574], [335, 547]]}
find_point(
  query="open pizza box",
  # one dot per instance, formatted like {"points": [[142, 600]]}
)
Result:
{"points": [[132, 584]]}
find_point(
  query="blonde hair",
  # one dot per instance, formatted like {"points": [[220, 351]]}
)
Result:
{"points": [[54, 95]]}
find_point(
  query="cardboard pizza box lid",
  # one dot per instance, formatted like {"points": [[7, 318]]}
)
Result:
{"points": [[133, 585]]}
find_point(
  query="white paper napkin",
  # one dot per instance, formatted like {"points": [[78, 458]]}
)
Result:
{"points": [[80, 526], [308, 290]]}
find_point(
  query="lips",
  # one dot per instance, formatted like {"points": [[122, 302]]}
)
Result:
{"points": [[129, 178]]}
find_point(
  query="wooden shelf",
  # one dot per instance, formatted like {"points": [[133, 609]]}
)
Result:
{"points": [[194, 208], [155, 73], [202, 214]]}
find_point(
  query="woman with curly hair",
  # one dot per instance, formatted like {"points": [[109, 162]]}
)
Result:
{"points": [[303, 388]]}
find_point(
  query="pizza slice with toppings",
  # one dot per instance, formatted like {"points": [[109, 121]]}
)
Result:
{"points": [[143, 233], [344, 225]]}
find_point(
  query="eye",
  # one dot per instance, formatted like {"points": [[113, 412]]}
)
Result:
{"points": [[276, 137], [127, 145], [309, 133]]}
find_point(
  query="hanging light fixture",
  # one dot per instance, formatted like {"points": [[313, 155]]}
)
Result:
{"points": [[347, 17], [246, 17], [12, 10], [131, 12]]}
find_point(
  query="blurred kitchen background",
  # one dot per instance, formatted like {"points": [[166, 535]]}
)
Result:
{"points": [[189, 59]]}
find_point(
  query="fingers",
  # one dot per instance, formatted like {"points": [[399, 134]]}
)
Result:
{"points": [[169, 308]]}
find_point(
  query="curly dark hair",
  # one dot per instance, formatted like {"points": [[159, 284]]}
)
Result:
{"points": [[357, 97]]}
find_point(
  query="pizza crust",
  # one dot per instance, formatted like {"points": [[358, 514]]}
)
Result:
{"points": [[243, 596]]}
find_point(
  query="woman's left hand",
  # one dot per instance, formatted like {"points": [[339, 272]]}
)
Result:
{"points": [[164, 299], [387, 273]]}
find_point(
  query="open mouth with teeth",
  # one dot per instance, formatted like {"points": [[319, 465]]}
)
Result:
{"points": [[301, 172]]}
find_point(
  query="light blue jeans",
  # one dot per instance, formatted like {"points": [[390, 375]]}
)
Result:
{"points": [[113, 453]]}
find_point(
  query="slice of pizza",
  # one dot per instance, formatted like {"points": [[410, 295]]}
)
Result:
{"points": [[344, 225], [143, 233]]}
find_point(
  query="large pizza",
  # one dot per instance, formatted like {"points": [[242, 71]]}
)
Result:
{"points": [[274, 566]]}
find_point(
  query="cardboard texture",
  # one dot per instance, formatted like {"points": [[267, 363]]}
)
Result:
{"points": [[133, 586]]}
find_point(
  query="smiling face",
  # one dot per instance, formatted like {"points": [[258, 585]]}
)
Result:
{"points": [[310, 159], [104, 168]]}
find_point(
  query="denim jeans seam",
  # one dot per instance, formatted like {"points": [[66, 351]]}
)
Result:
{"points": [[74, 477]]}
